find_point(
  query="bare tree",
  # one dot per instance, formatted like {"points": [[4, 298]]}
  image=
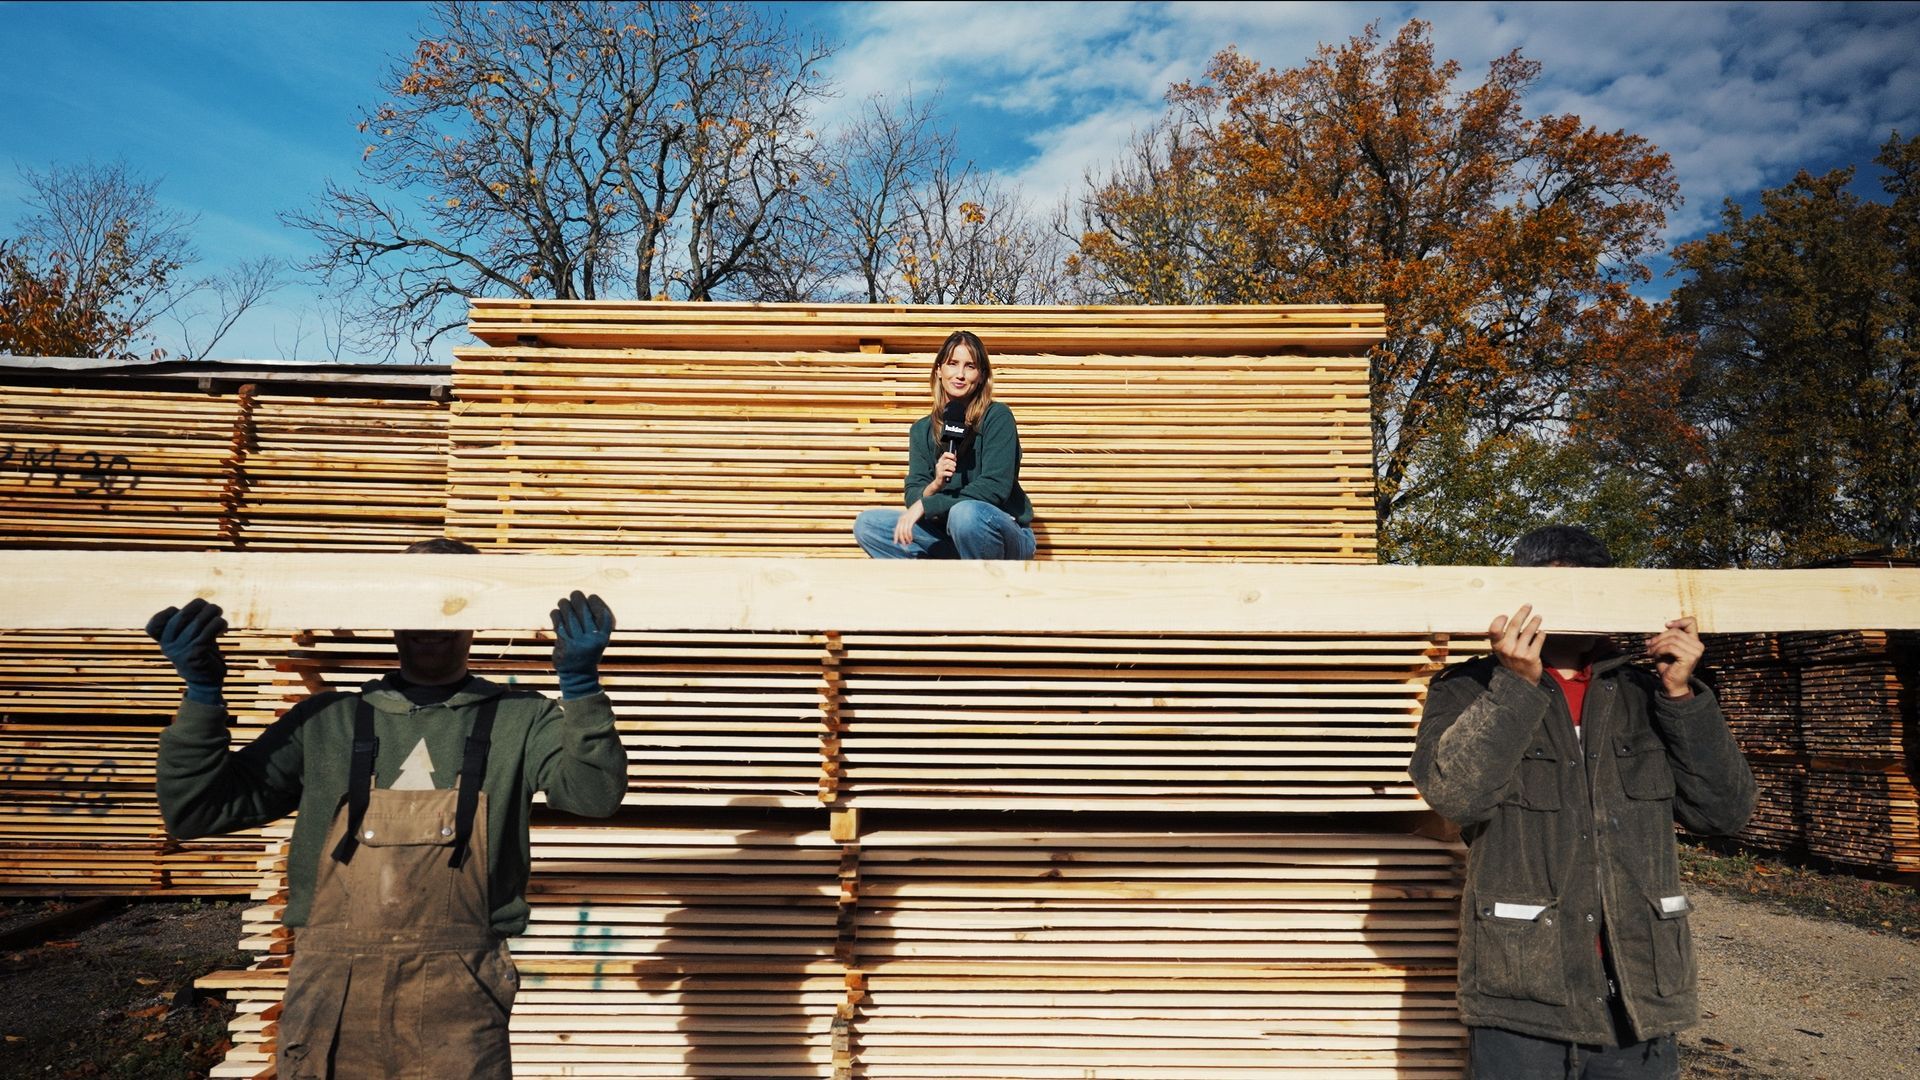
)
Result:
{"points": [[100, 262], [969, 239], [227, 297], [326, 317], [569, 150], [875, 164]]}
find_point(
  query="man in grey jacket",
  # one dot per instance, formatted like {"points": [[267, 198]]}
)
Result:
{"points": [[1565, 770]]}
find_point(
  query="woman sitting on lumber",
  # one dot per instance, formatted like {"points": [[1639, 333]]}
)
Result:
{"points": [[963, 494]]}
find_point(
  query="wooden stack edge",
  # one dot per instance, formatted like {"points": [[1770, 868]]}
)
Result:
{"points": [[698, 946], [1173, 330], [1184, 722], [80, 718], [1827, 722], [269, 467]]}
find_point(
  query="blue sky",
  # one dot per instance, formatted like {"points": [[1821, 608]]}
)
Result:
{"points": [[243, 110]]}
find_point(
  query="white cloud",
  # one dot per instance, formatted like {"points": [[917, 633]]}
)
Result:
{"points": [[1741, 95], [1064, 154]]}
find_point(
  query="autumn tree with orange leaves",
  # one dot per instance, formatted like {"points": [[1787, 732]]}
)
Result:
{"points": [[1504, 246], [100, 263]]}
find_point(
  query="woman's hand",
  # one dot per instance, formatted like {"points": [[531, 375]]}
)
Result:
{"points": [[943, 471], [903, 529]]}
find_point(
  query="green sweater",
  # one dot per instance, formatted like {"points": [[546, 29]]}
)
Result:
{"points": [[989, 468], [568, 749]]}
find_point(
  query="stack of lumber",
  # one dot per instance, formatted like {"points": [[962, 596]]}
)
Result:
{"points": [[104, 460], [729, 429], [740, 940], [80, 719], [1760, 695], [87, 466], [1827, 722], [1762, 706], [1855, 717], [1758, 691], [1091, 950], [716, 949], [718, 719], [1856, 721], [342, 473], [1115, 722], [701, 948], [1864, 816], [1001, 722]]}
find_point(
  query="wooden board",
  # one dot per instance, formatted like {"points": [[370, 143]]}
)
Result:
{"points": [[55, 589]]}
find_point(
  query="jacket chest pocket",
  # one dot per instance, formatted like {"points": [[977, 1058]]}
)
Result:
{"points": [[1641, 759], [1538, 786], [1517, 949]]}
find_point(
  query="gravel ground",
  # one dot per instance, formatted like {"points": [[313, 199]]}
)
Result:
{"points": [[1795, 997]]}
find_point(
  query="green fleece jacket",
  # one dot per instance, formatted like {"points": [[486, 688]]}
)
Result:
{"points": [[567, 749], [989, 468]]}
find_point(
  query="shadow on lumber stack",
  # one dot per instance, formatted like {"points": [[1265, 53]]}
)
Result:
{"points": [[1055, 901]]}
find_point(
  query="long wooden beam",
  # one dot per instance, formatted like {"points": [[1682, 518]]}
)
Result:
{"points": [[284, 590]]}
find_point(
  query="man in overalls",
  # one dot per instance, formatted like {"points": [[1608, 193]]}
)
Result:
{"points": [[408, 866]]}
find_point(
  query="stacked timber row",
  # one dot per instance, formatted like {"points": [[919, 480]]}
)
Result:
{"points": [[712, 947], [756, 429], [1760, 695], [115, 468], [200, 456], [1857, 722], [209, 456], [80, 718], [1827, 723], [727, 924]]}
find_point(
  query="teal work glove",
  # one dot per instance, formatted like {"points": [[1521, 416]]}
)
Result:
{"points": [[190, 638], [582, 629]]}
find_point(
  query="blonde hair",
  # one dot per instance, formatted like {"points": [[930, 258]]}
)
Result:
{"points": [[982, 394]]}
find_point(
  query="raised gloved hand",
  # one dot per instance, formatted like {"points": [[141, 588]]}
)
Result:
{"points": [[190, 638], [582, 627]]}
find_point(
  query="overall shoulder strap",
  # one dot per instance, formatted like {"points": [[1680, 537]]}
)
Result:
{"points": [[359, 778], [473, 771]]}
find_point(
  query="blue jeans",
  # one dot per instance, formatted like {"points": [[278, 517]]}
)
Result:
{"points": [[973, 530]]}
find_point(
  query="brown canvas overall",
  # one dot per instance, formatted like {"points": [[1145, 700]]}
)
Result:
{"points": [[398, 972]]}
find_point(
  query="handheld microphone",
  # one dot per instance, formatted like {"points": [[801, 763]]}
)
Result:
{"points": [[953, 426]]}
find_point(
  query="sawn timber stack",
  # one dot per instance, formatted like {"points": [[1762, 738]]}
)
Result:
{"points": [[764, 429]]}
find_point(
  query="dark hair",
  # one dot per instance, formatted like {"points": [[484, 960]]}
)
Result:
{"points": [[440, 545], [1560, 545], [982, 393]]}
